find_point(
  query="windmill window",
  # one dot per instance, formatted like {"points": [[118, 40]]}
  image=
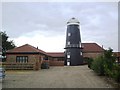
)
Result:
{"points": [[80, 53], [69, 34], [68, 56], [68, 43]]}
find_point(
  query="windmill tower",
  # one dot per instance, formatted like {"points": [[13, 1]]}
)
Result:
{"points": [[73, 52]]}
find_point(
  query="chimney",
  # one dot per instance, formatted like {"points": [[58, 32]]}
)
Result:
{"points": [[37, 47], [102, 46]]}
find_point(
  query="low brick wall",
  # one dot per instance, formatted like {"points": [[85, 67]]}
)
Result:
{"points": [[19, 66], [56, 63]]}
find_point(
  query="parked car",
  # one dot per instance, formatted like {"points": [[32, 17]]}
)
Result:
{"points": [[2, 74]]}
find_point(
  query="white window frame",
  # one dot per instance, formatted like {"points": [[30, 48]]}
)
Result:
{"points": [[68, 56], [68, 63], [69, 34], [81, 53], [68, 43], [80, 44]]}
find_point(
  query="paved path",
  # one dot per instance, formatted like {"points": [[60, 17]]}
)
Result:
{"points": [[56, 77]]}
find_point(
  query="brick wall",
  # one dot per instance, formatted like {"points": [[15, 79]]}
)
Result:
{"points": [[32, 59], [56, 63], [92, 55]]}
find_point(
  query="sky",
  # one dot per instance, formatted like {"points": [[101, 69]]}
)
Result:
{"points": [[43, 24]]}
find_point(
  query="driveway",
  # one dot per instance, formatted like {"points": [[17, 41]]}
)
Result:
{"points": [[55, 77]]}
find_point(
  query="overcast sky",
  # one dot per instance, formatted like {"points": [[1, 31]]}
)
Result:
{"points": [[43, 24]]}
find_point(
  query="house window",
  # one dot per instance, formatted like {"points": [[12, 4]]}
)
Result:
{"points": [[68, 42], [22, 59], [69, 34]]}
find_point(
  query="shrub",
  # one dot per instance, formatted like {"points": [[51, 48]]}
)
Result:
{"points": [[98, 65], [109, 60], [89, 61], [45, 65], [116, 73]]}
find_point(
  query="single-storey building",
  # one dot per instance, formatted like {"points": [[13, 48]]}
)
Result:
{"points": [[57, 58], [91, 50], [25, 55], [28, 57]]}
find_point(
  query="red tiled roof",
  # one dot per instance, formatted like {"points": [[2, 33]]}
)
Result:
{"points": [[91, 47], [56, 54], [25, 48]]}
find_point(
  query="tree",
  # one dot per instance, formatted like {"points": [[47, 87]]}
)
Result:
{"points": [[6, 44]]}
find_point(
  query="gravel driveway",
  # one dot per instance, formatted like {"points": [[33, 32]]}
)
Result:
{"points": [[55, 77]]}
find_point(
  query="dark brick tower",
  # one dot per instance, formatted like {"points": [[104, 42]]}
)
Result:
{"points": [[73, 53]]}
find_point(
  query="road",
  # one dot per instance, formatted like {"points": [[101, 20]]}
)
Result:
{"points": [[56, 77]]}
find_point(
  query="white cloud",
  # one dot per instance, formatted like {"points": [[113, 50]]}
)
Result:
{"points": [[48, 44]]}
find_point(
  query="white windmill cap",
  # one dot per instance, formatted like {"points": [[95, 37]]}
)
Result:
{"points": [[73, 21]]}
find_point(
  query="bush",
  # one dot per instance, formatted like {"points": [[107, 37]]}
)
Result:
{"points": [[106, 65], [109, 59], [45, 65], [116, 73], [98, 65], [89, 61]]}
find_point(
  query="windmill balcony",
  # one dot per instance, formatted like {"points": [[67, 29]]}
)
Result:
{"points": [[73, 46]]}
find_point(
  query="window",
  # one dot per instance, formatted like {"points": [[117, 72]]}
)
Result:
{"points": [[80, 53], [68, 56], [69, 34], [68, 53], [22, 59], [68, 63], [80, 44], [68, 42]]}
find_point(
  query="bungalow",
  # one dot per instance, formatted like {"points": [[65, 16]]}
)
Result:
{"points": [[29, 57], [91, 50], [25, 54]]}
